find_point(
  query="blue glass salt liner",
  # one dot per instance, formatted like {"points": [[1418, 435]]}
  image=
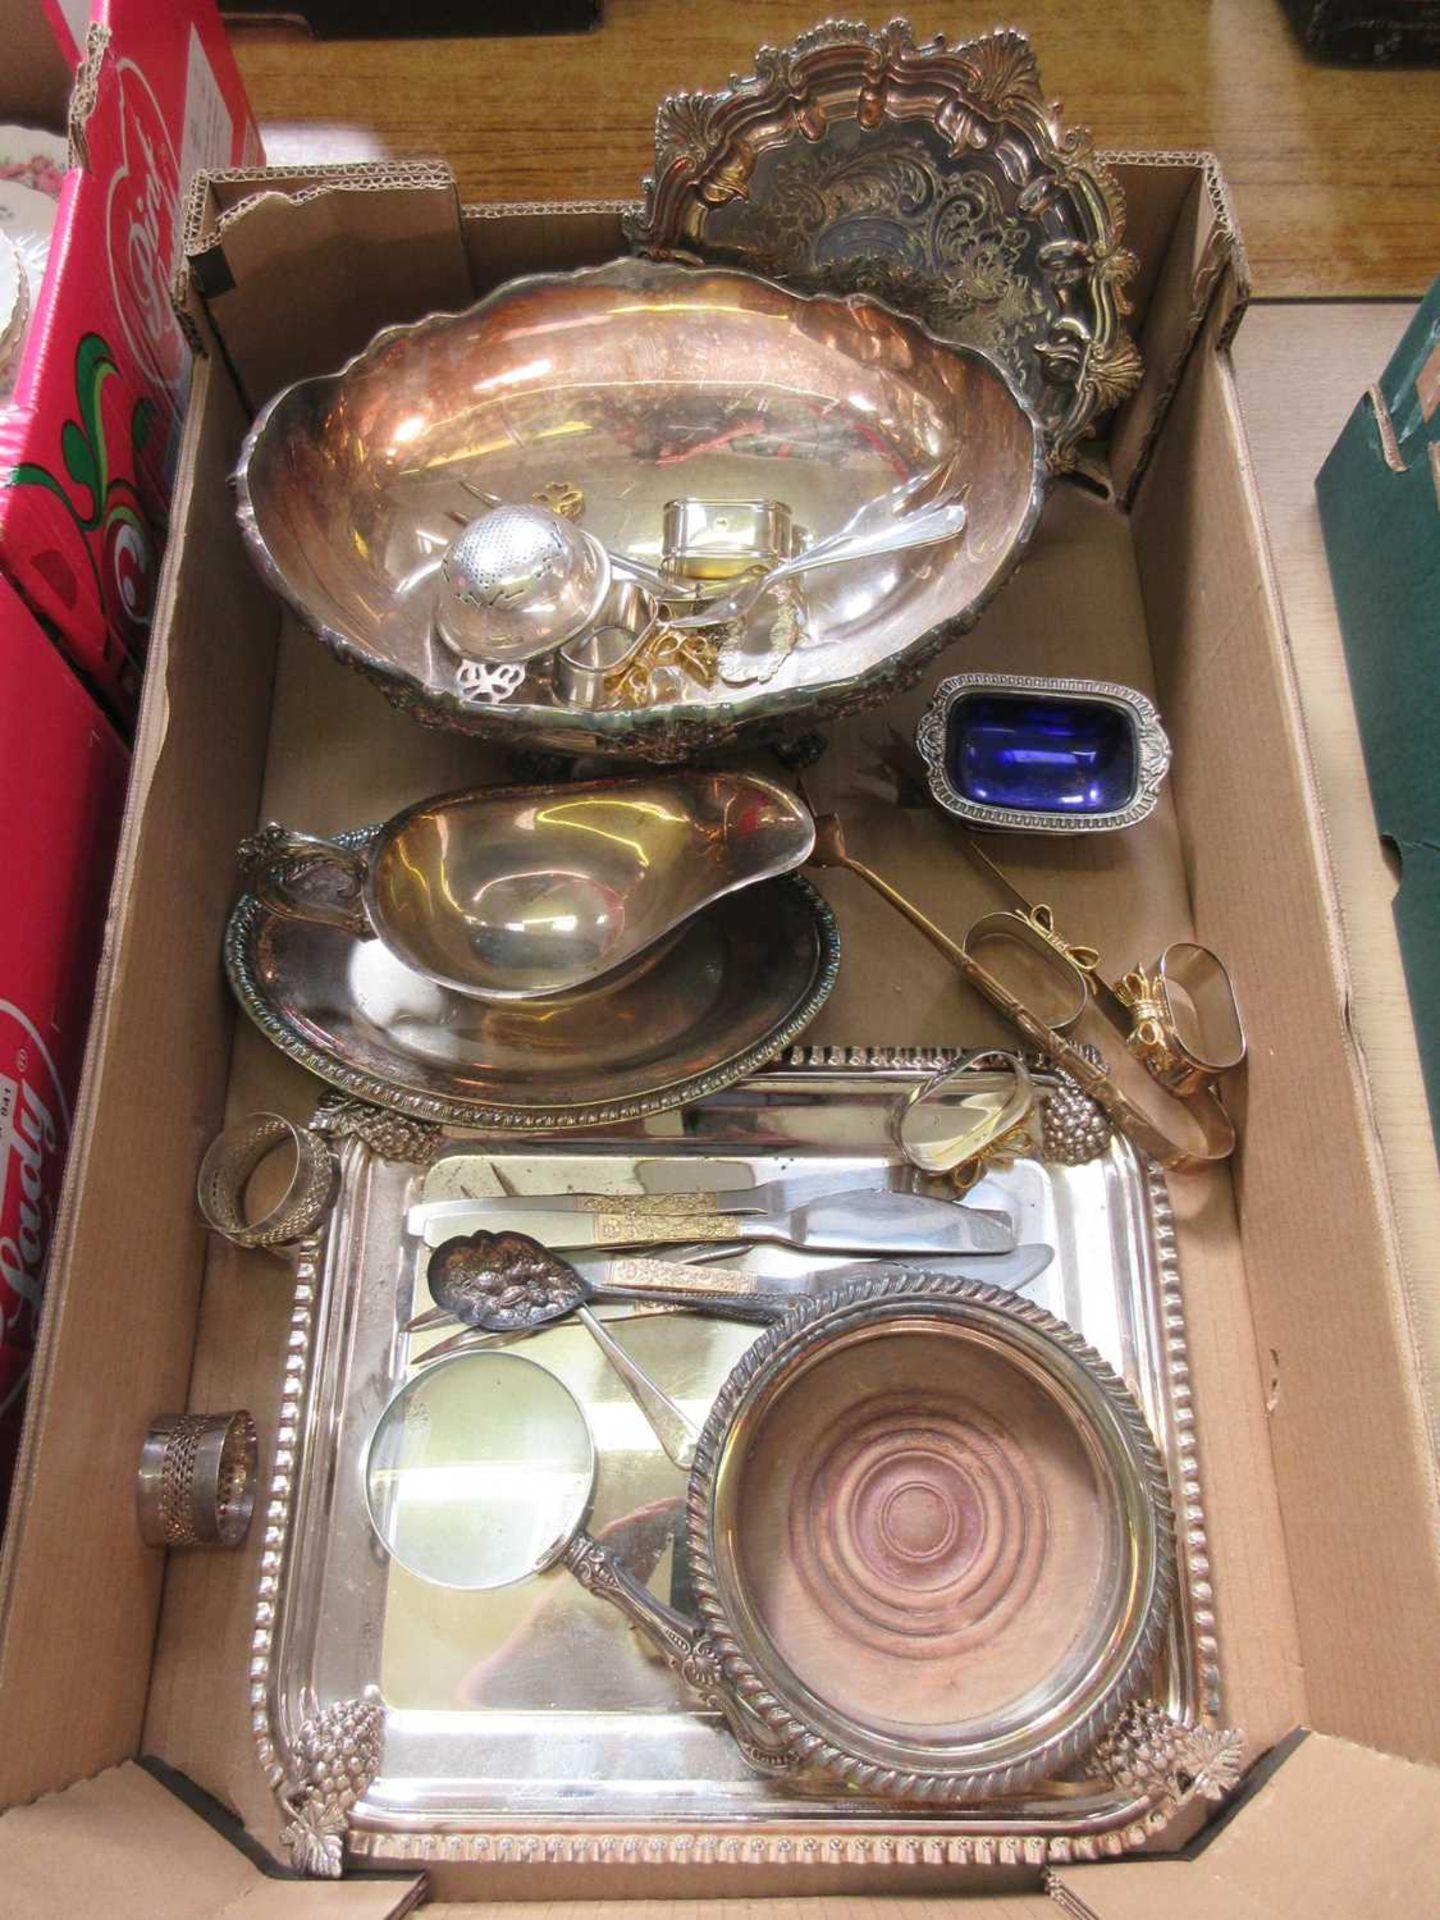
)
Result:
{"points": [[1072, 756]]}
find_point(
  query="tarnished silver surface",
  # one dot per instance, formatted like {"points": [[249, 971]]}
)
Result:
{"points": [[533, 1724], [1073, 1127], [1151, 1752], [646, 381], [336, 1756], [730, 990], [936, 177]]}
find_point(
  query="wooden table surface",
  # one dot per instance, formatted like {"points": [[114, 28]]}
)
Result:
{"points": [[1336, 172]]}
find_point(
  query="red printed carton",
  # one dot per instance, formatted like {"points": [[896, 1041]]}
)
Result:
{"points": [[62, 791], [87, 440]]}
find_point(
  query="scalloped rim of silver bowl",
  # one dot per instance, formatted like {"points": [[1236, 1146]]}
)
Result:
{"points": [[676, 730]]}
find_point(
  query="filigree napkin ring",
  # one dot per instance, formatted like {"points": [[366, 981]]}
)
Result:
{"points": [[196, 1483], [232, 1160]]}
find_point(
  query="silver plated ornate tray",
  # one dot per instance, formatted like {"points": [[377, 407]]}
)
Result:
{"points": [[935, 177], [405, 1722], [729, 990]]}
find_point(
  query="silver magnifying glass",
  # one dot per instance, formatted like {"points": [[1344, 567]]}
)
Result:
{"points": [[480, 1471]]}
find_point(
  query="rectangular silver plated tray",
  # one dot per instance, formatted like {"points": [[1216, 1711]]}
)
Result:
{"points": [[531, 1723]]}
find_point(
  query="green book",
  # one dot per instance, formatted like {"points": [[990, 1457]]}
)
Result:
{"points": [[1379, 494]]}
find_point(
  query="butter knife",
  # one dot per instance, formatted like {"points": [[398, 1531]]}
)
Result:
{"points": [[709, 1197], [859, 1221]]}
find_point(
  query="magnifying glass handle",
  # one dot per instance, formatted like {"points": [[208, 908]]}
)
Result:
{"points": [[684, 1645], [675, 1431]]}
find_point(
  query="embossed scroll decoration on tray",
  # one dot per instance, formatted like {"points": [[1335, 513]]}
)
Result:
{"points": [[932, 177]]}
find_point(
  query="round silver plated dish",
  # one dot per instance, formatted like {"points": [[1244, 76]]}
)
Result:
{"points": [[931, 1544], [634, 385], [930, 1537]]}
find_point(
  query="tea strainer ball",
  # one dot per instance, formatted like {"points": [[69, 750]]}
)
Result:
{"points": [[518, 581]]}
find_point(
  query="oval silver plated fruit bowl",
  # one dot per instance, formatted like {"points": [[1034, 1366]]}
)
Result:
{"points": [[516, 893], [618, 390]]}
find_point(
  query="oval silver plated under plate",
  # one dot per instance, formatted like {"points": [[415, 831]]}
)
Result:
{"points": [[724, 994]]}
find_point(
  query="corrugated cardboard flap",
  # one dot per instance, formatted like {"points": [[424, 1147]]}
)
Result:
{"points": [[124, 1846], [241, 243], [1201, 266], [1337, 1832], [86, 91], [78, 1590], [1348, 1434], [246, 230]]}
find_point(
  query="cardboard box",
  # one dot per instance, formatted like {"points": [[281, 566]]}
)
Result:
{"points": [[1318, 1469], [62, 791], [149, 94], [1299, 366]]}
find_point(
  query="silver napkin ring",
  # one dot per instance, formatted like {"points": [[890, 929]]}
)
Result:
{"points": [[196, 1485], [233, 1158]]}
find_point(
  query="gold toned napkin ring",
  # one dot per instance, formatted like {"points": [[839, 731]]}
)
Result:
{"points": [[1183, 1047], [1196, 1134], [990, 1123], [1071, 969], [1178, 1016], [196, 1484]]}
